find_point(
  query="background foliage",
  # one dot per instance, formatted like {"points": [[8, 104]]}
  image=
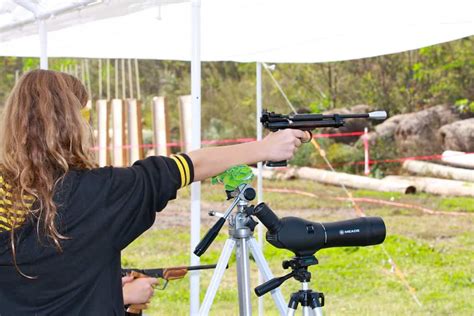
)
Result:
{"points": [[398, 83]]}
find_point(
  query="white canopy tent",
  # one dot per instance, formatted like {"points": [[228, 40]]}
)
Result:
{"points": [[297, 31]]}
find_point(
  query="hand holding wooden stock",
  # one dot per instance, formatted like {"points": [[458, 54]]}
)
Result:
{"points": [[150, 277]]}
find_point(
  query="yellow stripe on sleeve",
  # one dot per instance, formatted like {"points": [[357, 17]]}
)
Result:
{"points": [[4, 183], [4, 227], [186, 168], [181, 171], [10, 210], [4, 219]]}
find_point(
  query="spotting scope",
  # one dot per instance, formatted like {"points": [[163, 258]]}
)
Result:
{"points": [[304, 237]]}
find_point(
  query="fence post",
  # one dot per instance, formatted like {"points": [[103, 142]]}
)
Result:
{"points": [[366, 152]]}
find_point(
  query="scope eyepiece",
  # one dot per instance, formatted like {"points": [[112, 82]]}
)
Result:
{"points": [[267, 217]]}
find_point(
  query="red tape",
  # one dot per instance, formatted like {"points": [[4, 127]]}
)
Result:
{"points": [[224, 141]]}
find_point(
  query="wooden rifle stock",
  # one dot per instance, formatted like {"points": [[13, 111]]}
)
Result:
{"points": [[173, 273]]}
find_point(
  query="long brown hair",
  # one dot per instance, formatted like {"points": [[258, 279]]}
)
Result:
{"points": [[43, 136]]}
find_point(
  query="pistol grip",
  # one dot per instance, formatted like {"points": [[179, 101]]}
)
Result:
{"points": [[282, 163]]}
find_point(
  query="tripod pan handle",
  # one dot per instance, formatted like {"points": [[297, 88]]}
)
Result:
{"points": [[209, 237], [271, 284]]}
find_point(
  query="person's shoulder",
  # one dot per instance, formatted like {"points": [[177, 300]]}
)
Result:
{"points": [[88, 178]]}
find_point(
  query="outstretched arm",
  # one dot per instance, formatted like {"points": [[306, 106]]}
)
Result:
{"points": [[277, 146]]}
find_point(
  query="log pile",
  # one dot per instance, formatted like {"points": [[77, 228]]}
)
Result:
{"points": [[402, 184], [338, 178], [354, 181]]}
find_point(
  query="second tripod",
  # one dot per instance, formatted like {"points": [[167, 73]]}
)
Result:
{"points": [[241, 226], [310, 301]]}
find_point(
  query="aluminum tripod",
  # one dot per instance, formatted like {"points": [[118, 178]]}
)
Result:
{"points": [[241, 226]]}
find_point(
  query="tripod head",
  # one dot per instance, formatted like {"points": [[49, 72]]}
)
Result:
{"points": [[242, 194], [299, 271], [236, 182]]}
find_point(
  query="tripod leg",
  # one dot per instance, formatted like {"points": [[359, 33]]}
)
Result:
{"points": [[217, 276], [315, 303], [318, 311], [267, 275], [307, 311], [243, 277]]}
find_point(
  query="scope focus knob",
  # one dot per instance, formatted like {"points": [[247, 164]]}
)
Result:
{"points": [[250, 194]]}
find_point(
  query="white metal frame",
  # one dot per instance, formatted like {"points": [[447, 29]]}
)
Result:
{"points": [[195, 144], [40, 16]]}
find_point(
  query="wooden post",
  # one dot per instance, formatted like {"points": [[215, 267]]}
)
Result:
{"points": [[185, 121], [117, 136], [102, 131], [366, 152], [161, 133], [135, 138]]}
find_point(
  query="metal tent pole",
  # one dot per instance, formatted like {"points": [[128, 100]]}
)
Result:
{"points": [[40, 15], [259, 172], [43, 39], [195, 144]]}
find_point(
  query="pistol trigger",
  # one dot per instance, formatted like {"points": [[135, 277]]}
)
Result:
{"points": [[164, 285]]}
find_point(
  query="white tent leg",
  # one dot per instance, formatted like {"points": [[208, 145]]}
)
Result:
{"points": [[195, 144], [259, 174], [43, 37]]}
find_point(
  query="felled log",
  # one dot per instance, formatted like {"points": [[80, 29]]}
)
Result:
{"points": [[458, 159], [437, 186], [432, 169], [354, 181]]}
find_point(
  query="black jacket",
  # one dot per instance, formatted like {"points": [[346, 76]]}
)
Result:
{"points": [[101, 211]]}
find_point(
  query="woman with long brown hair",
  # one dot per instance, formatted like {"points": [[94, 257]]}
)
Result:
{"points": [[63, 221]]}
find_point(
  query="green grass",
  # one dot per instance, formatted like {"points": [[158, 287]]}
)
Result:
{"points": [[458, 204], [434, 252]]}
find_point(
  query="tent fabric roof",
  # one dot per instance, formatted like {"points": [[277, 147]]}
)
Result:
{"points": [[301, 31]]}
